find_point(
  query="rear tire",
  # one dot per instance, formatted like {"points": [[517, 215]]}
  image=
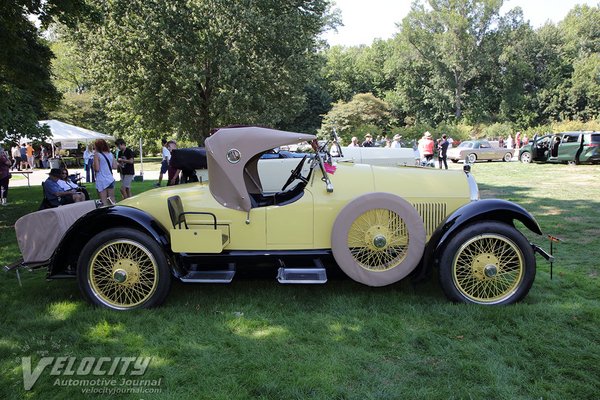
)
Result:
{"points": [[487, 263], [123, 269], [525, 157], [471, 158], [507, 157]]}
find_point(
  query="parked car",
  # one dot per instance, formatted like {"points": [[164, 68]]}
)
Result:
{"points": [[473, 150], [564, 147], [377, 224]]}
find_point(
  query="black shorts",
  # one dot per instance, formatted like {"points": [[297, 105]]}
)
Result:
{"points": [[164, 166]]}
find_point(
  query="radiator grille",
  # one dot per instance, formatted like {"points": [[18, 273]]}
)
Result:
{"points": [[432, 214]]}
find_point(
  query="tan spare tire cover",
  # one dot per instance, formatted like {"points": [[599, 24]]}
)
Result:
{"points": [[378, 239]]}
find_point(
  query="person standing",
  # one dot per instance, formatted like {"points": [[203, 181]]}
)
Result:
{"points": [[4, 176], [354, 142], [88, 164], [104, 163], [125, 161], [509, 142], [30, 157], [164, 164], [16, 155], [368, 141], [23, 156], [443, 151], [517, 140], [44, 157], [173, 173], [396, 142], [426, 147]]}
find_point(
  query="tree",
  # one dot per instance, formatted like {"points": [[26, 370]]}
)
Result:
{"points": [[349, 118], [26, 89], [187, 66], [448, 40]]}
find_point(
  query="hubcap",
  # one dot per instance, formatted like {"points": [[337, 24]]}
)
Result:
{"points": [[379, 241], [120, 276], [488, 268]]}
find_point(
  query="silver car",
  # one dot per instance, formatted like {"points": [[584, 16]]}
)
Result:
{"points": [[473, 150]]}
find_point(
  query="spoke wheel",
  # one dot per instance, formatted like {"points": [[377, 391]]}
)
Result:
{"points": [[487, 263], [471, 158], [123, 269], [378, 239], [123, 273], [488, 268]]}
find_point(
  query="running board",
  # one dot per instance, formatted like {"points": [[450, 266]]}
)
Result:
{"points": [[225, 276], [302, 275]]}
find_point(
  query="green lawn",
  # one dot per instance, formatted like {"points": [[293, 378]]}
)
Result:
{"points": [[259, 339]]}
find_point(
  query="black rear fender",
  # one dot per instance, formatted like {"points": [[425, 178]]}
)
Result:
{"points": [[64, 261]]}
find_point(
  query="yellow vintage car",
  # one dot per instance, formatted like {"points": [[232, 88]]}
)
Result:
{"points": [[379, 225]]}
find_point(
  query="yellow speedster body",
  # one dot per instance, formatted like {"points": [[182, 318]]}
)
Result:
{"points": [[378, 225]]}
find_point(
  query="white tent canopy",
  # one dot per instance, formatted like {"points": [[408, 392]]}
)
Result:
{"points": [[61, 131]]}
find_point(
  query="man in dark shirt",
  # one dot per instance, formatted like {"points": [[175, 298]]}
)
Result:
{"points": [[368, 141], [125, 161], [443, 150]]}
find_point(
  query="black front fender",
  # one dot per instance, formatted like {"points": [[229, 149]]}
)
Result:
{"points": [[481, 210], [64, 261]]}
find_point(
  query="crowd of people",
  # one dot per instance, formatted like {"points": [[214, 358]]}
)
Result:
{"points": [[425, 148]]}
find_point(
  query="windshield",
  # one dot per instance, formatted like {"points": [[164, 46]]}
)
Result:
{"points": [[595, 138], [466, 145]]}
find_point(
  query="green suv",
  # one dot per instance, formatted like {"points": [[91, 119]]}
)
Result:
{"points": [[565, 147]]}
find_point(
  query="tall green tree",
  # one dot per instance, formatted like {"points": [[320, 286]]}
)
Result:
{"points": [[188, 66], [445, 44], [26, 89]]}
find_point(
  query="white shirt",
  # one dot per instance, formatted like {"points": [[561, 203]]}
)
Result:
{"points": [[66, 186], [166, 154]]}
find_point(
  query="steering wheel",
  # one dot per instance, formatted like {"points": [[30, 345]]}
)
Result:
{"points": [[296, 174]]}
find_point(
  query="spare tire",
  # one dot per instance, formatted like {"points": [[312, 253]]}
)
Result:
{"points": [[378, 239], [189, 158]]}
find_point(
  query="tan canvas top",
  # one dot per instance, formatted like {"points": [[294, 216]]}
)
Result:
{"points": [[232, 155], [40, 232]]}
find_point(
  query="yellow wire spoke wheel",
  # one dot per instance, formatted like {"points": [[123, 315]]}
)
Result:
{"points": [[488, 268], [488, 263], [123, 274], [378, 240]]}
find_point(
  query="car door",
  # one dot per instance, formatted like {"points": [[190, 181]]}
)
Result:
{"points": [[569, 147], [291, 226], [485, 151]]}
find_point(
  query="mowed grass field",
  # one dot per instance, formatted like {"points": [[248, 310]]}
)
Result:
{"points": [[341, 340]]}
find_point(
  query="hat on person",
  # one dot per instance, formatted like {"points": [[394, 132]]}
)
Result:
{"points": [[57, 172], [427, 134], [397, 137], [368, 135]]}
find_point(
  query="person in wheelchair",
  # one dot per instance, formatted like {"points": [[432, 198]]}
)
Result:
{"points": [[55, 194]]}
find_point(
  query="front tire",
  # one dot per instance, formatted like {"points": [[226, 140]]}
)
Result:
{"points": [[123, 269], [488, 263]]}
